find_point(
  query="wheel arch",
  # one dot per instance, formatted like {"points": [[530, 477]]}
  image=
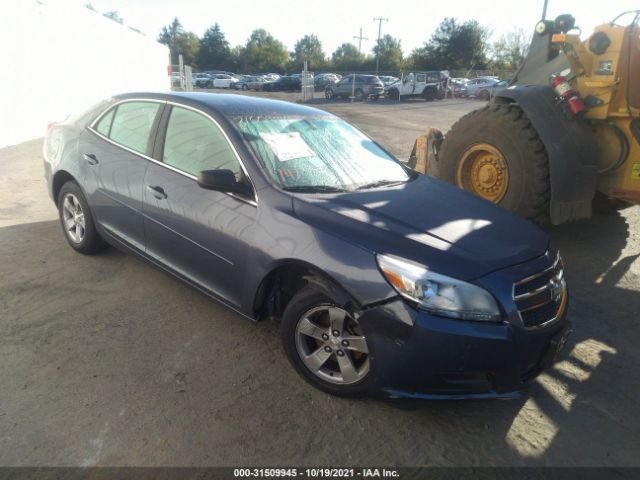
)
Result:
{"points": [[571, 149], [288, 277], [59, 179]]}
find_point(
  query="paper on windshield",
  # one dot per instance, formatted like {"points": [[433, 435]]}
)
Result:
{"points": [[287, 146]]}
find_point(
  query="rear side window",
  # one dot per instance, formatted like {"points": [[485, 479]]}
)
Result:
{"points": [[194, 143], [104, 125], [132, 124]]}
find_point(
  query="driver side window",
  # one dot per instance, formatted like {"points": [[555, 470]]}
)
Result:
{"points": [[194, 143]]}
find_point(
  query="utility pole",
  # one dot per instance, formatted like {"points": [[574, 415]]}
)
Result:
{"points": [[360, 38], [379, 20]]}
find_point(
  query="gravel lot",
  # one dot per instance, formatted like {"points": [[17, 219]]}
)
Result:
{"points": [[106, 361]]}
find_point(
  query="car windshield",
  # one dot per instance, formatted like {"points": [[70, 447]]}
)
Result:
{"points": [[319, 154]]}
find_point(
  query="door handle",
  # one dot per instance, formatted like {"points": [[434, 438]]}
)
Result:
{"points": [[90, 158], [157, 192]]}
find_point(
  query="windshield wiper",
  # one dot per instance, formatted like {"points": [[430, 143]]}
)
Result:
{"points": [[314, 189], [380, 183]]}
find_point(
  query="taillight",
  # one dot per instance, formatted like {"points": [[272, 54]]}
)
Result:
{"points": [[50, 125]]}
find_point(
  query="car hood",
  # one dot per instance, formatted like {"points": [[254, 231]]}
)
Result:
{"points": [[430, 222]]}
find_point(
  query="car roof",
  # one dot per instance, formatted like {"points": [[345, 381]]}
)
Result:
{"points": [[229, 104]]}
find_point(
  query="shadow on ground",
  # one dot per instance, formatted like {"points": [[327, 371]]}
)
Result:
{"points": [[105, 360]]}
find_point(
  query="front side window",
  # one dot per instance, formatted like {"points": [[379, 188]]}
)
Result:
{"points": [[132, 124], [319, 154], [194, 143]]}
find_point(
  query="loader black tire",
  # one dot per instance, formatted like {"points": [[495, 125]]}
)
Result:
{"points": [[506, 128]]}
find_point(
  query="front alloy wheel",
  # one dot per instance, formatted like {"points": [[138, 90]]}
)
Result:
{"points": [[326, 344], [331, 345]]}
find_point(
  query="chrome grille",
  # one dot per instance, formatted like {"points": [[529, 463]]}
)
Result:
{"points": [[540, 298]]}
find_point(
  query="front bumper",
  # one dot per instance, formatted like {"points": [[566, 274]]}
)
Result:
{"points": [[419, 355]]}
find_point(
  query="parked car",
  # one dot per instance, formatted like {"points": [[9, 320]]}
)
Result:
{"points": [[481, 87], [246, 200], [322, 80], [175, 79], [249, 82], [365, 86], [427, 85], [387, 80], [223, 80], [458, 87], [287, 83], [202, 80], [496, 87]]}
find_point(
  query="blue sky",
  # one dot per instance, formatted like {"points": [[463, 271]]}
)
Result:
{"points": [[337, 21]]}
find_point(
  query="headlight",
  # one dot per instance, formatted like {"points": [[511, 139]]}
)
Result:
{"points": [[439, 294]]}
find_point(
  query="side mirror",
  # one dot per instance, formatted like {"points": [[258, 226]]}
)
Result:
{"points": [[222, 181]]}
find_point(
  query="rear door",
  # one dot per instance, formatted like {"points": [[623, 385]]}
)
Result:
{"points": [[117, 149], [202, 235]]}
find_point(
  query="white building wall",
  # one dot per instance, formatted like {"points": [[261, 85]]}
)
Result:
{"points": [[59, 58]]}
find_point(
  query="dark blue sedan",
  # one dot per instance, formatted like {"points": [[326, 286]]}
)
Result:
{"points": [[384, 280]]}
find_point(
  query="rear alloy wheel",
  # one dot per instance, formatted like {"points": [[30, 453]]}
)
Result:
{"points": [[76, 220], [484, 95], [359, 95], [326, 345], [245, 87], [328, 94]]}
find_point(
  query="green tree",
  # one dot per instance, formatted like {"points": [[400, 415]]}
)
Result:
{"points": [[112, 14], [263, 53], [215, 52], [346, 58], [179, 42], [169, 36], [455, 45], [188, 45], [390, 53], [308, 48], [510, 49]]}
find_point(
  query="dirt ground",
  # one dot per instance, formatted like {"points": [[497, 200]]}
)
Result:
{"points": [[107, 361]]}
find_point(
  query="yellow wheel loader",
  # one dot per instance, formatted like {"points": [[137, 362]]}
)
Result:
{"points": [[563, 135]]}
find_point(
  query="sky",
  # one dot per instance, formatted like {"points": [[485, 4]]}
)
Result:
{"points": [[338, 21]]}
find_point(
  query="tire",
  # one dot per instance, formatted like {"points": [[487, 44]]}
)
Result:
{"points": [[429, 94], [394, 94], [328, 94], [359, 95], [484, 95], [305, 318], [522, 172], [375, 98], [245, 87], [73, 208]]}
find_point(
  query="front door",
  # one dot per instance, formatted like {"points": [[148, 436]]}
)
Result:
{"points": [[202, 235]]}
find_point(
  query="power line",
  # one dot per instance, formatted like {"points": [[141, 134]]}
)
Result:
{"points": [[360, 38], [379, 20]]}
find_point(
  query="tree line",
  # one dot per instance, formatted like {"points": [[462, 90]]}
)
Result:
{"points": [[454, 45]]}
